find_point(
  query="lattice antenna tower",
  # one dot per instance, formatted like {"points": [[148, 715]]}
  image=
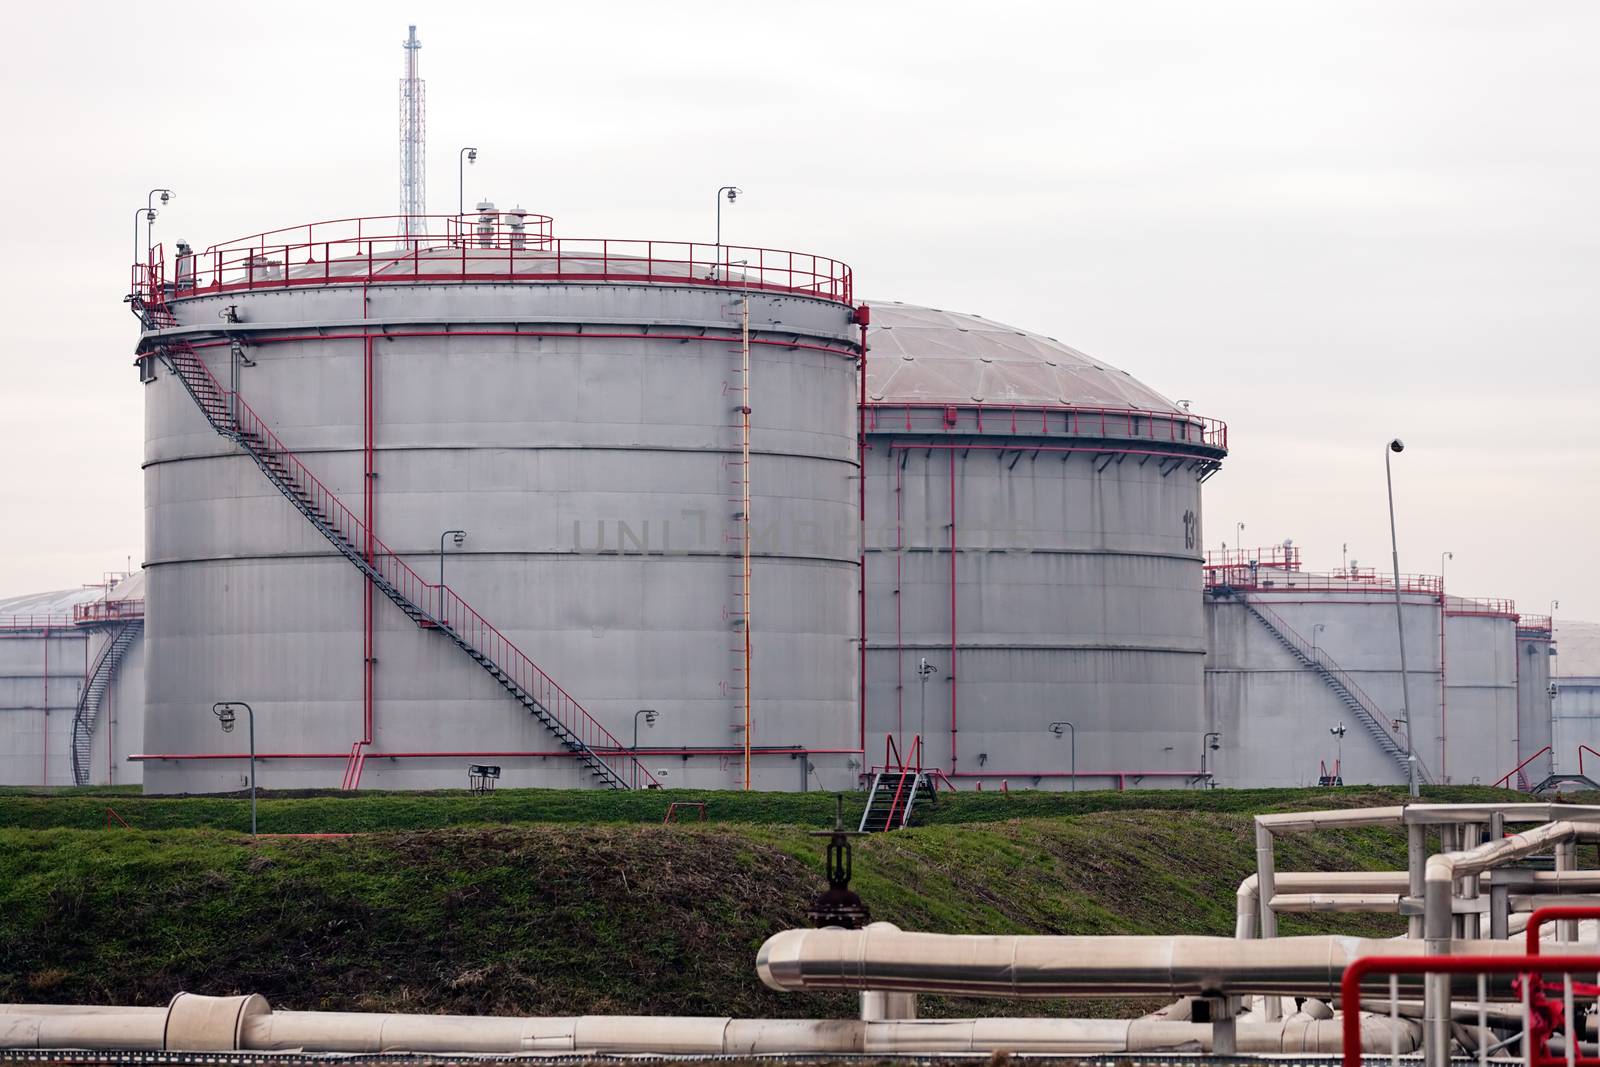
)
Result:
{"points": [[413, 140]]}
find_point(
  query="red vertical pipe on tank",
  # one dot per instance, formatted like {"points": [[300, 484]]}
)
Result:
{"points": [[46, 779], [863, 319], [367, 476], [953, 757]]}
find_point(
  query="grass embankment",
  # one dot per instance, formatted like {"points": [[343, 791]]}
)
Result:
{"points": [[571, 910]]}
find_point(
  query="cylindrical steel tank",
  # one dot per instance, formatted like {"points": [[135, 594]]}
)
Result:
{"points": [[51, 645], [576, 408], [1295, 655], [1033, 559], [1535, 700]]}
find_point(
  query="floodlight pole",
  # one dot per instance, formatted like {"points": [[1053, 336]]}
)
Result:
{"points": [[1399, 619], [217, 710]]}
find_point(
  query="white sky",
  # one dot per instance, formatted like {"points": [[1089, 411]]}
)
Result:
{"points": [[1327, 223]]}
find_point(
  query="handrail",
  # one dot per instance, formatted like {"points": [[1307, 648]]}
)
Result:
{"points": [[36, 622], [1070, 419], [1293, 580], [349, 251], [1582, 748], [111, 814], [96, 611], [1554, 913], [1507, 779], [452, 612], [915, 768], [1527, 966]]}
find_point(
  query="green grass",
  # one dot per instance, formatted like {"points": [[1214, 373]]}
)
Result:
{"points": [[584, 903], [331, 811]]}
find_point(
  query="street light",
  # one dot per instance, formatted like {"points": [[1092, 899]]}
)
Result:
{"points": [[460, 536], [1314, 630], [149, 217], [465, 156], [924, 668], [1238, 539], [1395, 446], [1338, 733], [1059, 728], [1442, 557], [224, 712], [1212, 741], [732, 193], [650, 721]]}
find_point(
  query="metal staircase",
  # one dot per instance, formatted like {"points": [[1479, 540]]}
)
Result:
{"points": [[1377, 724], [607, 760], [87, 714], [895, 789]]}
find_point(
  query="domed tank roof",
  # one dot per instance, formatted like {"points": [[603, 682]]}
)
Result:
{"points": [[921, 355]]}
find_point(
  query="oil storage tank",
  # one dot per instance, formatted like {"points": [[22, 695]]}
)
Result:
{"points": [[1304, 676], [492, 498], [1033, 561], [72, 685]]}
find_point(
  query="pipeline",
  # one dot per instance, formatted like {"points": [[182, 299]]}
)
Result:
{"points": [[886, 959], [194, 1023]]}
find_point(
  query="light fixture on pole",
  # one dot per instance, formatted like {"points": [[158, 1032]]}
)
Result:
{"points": [[1238, 539], [649, 715], [1442, 557], [924, 669], [225, 714], [731, 192], [1396, 446], [1338, 731], [1314, 631], [1211, 742], [1059, 728], [465, 156], [460, 536]]}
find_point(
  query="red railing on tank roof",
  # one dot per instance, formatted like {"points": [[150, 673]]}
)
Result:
{"points": [[1537, 623], [107, 611], [45, 621], [1350, 580], [467, 249], [1075, 420]]}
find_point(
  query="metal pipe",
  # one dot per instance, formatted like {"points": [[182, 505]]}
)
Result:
{"points": [[1440, 877], [236, 1024], [885, 959]]}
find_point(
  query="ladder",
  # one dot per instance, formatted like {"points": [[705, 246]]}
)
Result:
{"points": [[608, 762], [90, 700], [895, 789], [1355, 700]]}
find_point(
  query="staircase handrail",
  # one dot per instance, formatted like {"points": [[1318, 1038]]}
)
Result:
{"points": [[82, 725], [414, 587], [1506, 781], [1582, 748], [914, 770]]}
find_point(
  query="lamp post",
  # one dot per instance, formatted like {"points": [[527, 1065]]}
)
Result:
{"points": [[225, 714], [1314, 630], [1238, 539], [1338, 733], [1442, 557], [1212, 741], [460, 536], [1396, 446], [732, 193], [924, 669], [465, 156], [1059, 728], [649, 715]]}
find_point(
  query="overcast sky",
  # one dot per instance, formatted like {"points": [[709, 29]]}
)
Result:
{"points": [[1327, 224]]}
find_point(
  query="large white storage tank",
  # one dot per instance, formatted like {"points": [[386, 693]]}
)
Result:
{"points": [[72, 685], [577, 408], [1033, 558], [1296, 654]]}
